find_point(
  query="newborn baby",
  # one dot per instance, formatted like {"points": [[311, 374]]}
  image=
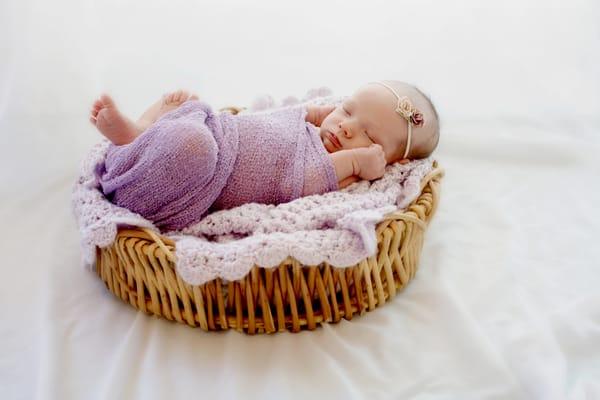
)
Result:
{"points": [[180, 160]]}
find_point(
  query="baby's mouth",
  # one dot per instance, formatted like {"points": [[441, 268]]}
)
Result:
{"points": [[333, 139]]}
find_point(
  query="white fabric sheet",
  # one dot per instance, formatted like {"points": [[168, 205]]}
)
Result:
{"points": [[505, 304]]}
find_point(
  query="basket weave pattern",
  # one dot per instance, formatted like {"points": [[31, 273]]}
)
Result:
{"points": [[138, 268]]}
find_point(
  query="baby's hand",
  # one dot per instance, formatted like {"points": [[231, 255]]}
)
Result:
{"points": [[370, 161], [316, 114]]}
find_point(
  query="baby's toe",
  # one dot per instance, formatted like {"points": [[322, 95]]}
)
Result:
{"points": [[181, 96], [107, 101], [94, 114], [97, 106], [176, 97], [94, 111], [169, 98]]}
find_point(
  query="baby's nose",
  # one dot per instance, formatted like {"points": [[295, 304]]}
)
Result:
{"points": [[343, 129]]}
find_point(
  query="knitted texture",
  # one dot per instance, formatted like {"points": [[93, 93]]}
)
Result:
{"points": [[280, 158], [174, 171], [337, 227], [193, 161]]}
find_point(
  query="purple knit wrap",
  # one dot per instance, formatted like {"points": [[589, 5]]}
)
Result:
{"points": [[281, 158], [193, 161], [173, 172]]}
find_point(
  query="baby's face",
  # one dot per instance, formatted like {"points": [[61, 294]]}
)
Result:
{"points": [[365, 118]]}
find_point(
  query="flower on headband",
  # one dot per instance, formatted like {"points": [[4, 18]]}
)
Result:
{"points": [[417, 118], [409, 112], [405, 108]]}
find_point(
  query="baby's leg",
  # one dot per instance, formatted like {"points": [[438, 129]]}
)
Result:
{"points": [[121, 130], [111, 123], [168, 102]]}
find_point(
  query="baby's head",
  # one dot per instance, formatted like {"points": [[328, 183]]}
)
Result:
{"points": [[384, 113]]}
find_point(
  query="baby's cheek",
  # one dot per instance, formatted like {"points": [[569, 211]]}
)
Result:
{"points": [[328, 122], [323, 132]]}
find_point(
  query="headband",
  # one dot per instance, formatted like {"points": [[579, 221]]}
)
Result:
{"points": [[406, 110]]}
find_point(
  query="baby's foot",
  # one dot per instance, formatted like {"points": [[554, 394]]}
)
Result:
{"points": [[168, 102], [111, 123]]}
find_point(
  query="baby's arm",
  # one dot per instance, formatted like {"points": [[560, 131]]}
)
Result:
{"points": [[346, 166], [348, 181], [316, 114], [363, 162]]}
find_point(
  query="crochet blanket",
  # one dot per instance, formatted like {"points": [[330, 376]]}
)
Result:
{"points": [[335, 227]]}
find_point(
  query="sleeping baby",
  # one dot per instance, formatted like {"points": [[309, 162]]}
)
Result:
{"points": [[181, 160]]}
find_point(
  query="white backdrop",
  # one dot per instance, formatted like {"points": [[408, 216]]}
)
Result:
{"points": [[505, 303]]}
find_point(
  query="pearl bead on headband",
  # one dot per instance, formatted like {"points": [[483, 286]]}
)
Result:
{"points": [[406, 110]]}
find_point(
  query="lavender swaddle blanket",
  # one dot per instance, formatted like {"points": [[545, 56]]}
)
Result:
{"points": [[337, 227], [173, 172]]}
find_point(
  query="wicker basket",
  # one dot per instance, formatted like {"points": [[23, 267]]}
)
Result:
{"points": [[138, 267]]}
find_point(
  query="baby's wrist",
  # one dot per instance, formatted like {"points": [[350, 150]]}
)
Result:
{"points": [[311, 115], [355, 161]]}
